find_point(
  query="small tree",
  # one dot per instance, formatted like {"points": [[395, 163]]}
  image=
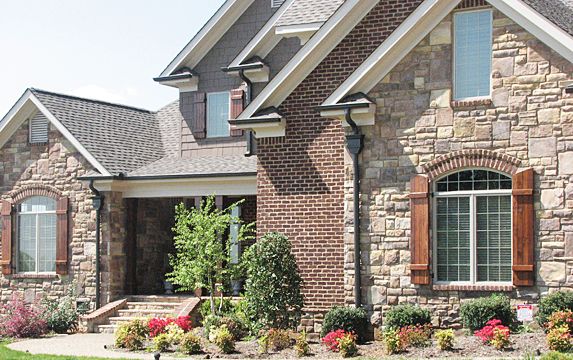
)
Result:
{"points": [[273, 283], [200, 247]]}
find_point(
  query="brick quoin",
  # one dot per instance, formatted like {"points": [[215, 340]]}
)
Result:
{"points": [[301, 175]]}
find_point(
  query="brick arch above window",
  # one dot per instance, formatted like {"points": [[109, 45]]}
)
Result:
{"points": [[471, 158], [37, 190]]}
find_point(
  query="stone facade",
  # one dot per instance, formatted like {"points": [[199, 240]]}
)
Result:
{"points": [[528, 117], [51, 168]]}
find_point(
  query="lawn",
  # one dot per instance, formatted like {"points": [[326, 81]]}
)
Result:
{"points": [[8, 354]]}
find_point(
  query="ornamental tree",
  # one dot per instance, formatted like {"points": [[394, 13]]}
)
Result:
{"points": [[202, 246]]}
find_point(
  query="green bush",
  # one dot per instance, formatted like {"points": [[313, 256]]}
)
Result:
{"points": [[476, 313], [131, 335], [223, 338], [349, 319], [190, 344], [405, 315], [445, 339], [301, 346], [273, 284], [554, 355], [557, 301], [61, 314], [236, 326], [227, 308], [161, 342]]}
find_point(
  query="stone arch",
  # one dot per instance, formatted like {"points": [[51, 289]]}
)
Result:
{"points": [[471, 158], [35, 190]]}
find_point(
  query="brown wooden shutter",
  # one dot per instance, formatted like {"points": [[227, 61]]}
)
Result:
{"points": [[6, 237], [199, 123], [523, 229], [420, 242], [62, 237], [237, 106]]}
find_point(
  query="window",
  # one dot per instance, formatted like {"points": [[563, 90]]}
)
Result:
{"points": [[472, 54], [473, 228], [36, 234], [39, 129], [218, 110]]}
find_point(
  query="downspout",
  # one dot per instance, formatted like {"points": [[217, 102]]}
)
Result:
{"points": [[248, 98], [97, 202], [355, 144]]}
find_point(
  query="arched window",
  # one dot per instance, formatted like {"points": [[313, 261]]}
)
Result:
{"points": [[36, 231], [472, 227]]}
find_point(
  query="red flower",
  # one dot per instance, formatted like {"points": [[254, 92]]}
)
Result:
{"points": [[331, 339]]}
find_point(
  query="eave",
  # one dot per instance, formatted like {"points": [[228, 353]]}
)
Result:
{"points": [[268, 123]]}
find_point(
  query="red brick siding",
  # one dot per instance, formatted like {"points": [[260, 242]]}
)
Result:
{"points": [[301, 176]]}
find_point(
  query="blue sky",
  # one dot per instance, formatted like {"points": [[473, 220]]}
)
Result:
{"points": [[105, 49]]}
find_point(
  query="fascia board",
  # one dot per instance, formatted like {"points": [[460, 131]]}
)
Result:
{"points": [[312, 53]]}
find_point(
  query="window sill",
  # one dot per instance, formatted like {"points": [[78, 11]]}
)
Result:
{"points": [[501, 288], [471, 103], [35, 276]]}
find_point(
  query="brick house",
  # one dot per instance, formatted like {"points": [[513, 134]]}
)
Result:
{"points": [[414, 151]]}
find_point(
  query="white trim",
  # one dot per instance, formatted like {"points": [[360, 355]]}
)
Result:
{"points": [[24, 108], [302, 31], [265, 40], [209, 35], [425, 18], [305, 61], [362, 116], [227, 186], [68, 135], [407, 36]]}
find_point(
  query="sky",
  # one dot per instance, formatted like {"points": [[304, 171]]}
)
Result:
{"points": [[104, 49]]}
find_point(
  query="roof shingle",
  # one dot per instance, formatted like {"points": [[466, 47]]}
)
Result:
{"points": [[309, 11], [560, 12]]}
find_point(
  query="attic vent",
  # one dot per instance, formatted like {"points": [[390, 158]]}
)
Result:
{"points": [[276, 3], [38, 129]]}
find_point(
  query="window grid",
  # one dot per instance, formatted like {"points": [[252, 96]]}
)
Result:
{"points": [[473, 42], [218, 110], [37, 235], [473, 230]]}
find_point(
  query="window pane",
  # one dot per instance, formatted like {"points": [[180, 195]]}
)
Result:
{"points": [[38, 204], [470, 180], [472, 53], [218, 114], [453, 244], [47, 243], [27, 243], [493, 221]]}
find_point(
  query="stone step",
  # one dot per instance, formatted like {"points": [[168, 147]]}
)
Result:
{"points": [[152, 305], [145, 313], [118, 320], [158, 298], [106, 329]]}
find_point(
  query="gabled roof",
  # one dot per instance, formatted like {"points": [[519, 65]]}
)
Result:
{"points": [[308, 12], [208, 36], [560, 12], [426, 18]]}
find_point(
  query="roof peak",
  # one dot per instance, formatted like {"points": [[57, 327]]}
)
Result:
{"points": [[101, 102]]}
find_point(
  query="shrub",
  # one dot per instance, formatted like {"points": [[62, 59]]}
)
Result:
{"points": [[557, 301], [222, 307], [347, 345], [21, 320], [273, 284], [131, 335], [392, 341], [161, 342], [495, 334], [559, 319], [405, 315], [263, 342], [190, 344], [554, 355], [301, 346], [416, 336], [279, 339], [61, 314], [223, 338], [236, 326], [445, 339], [559, 339], [158, 326], [331, 339], [476, 313], [352, 320]]}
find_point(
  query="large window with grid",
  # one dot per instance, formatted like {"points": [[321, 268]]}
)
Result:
{"points": [[218, 110], [473, 228], [36, 234], [473, 38]]}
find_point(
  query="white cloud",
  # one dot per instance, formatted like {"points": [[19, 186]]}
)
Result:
{"points": [[96, 92]]}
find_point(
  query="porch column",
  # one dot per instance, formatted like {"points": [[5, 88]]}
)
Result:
{"points": [[131, 246]]}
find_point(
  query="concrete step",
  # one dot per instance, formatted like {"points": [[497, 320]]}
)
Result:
{"points": [[118, 320], [145, 313], [158, 298], [152, 305], [106, 329]]}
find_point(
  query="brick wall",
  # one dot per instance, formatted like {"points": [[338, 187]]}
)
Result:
{"points": [[301, 176], [529, 118]]}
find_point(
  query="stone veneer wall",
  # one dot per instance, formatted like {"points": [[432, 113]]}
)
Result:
{"points": [[55, 166], [529, 118]]}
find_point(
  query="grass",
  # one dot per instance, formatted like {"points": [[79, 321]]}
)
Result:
{"points": [[8, 354]]}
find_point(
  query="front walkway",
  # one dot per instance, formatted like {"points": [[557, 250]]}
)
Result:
{"points": [[78, 345]]}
